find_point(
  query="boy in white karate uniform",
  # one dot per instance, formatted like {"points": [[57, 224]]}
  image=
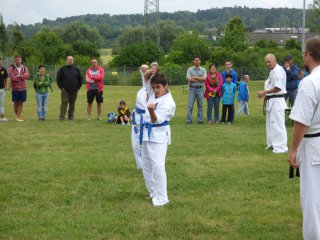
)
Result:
{"points": [[137, 118], [156, 135]]}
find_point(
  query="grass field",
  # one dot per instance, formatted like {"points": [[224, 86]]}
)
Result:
{"points": [[105, 55], [78, 180]]}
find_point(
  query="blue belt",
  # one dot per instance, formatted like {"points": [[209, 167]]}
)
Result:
{"points": [[149, 126], [139, 111]]}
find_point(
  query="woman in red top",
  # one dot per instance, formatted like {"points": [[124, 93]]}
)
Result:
{"points": [[213, 93]]}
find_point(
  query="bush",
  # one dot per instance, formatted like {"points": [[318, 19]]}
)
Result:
{"points": [[293, 44], [266, 43], [175, 74], [135, 78]]}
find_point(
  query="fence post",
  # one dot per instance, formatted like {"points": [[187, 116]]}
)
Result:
{"points": [[124, 75], [170, 76], [33, 72]]}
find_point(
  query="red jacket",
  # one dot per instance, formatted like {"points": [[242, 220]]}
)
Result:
{"points": [[211, 89], [97, 77], [18, 83]]}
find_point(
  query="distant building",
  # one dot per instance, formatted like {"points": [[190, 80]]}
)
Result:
{"points": [[279, 37], [285, 30]]}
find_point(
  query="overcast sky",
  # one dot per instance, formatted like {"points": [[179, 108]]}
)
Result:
{"points": [[33, 11]]}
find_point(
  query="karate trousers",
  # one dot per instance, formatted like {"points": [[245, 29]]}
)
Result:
{"points": [[136, 148], [276, 130], [154, 172], [308, 157]]}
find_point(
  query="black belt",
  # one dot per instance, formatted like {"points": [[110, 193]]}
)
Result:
{"points": [[266, 98], [274, 96], [312, 135], [197, 87]]}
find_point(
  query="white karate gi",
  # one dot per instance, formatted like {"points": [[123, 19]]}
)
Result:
{"points": [[306, 110], [154, 150], [141, 103], [276, 131]]}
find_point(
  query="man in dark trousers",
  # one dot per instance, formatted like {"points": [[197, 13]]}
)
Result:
{"points": [[69, 80], [292, 73]]}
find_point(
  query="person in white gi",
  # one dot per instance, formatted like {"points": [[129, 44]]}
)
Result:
{"points": [[137, 118], [305, 146], [275, 90], [156, 135]]}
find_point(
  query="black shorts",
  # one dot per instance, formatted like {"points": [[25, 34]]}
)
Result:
{"points": [[19, 96], [94, 93]]}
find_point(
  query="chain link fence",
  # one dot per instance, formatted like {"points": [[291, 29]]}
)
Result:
{"points": [[131, 76]]}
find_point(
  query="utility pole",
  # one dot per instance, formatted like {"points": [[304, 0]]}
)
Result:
{"points": [[303, 38], [152, 21]]}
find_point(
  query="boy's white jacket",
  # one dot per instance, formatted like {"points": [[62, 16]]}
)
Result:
{"points": [[141, 103], [141, 100], [165, 108]]}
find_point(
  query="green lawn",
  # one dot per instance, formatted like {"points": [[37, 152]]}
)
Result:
{"points": [[105, 55], [77, 179]]}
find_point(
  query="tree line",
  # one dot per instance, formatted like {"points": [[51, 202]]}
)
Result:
{"points": [[183, 34]]}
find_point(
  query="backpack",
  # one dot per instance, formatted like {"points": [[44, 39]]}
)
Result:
{"points": [[112, 117]]}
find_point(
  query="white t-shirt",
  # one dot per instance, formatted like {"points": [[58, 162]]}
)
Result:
{"points": [[306, 108], [165, 109], [18, 69]]}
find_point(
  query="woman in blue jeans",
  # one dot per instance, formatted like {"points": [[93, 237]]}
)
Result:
{"points": [[213, 93], [41, 83]]}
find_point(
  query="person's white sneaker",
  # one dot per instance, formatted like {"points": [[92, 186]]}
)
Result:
{"points": [[4, 120], [157, 203], [277, 151]]}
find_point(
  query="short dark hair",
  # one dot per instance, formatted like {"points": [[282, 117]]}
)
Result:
{"points": [[196, 56], [288, 58], [313, 48], [17, 56], [228, 75], [41, 66], [159, 79], [227, 60], [213, 64], [122, 102]]}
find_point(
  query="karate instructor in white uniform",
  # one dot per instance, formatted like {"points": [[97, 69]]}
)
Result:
{"points": [[305, 146], [275, 90]]}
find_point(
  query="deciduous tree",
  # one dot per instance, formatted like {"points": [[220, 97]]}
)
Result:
{"points": [[313, 17], [3, 36], [186, 46], [136, 54], [235, 35]]}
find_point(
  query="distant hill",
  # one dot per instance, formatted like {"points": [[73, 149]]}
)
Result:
{"points": [[111, 26]]}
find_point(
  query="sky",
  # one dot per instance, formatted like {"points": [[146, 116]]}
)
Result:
{"points": [[33, 11]]}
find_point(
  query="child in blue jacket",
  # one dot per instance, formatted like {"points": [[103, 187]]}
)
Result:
{"points": [[243, 96], [228, 92]]}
